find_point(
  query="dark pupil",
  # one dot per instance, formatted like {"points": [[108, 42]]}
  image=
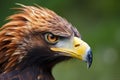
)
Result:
{"points": [[52, 36]]}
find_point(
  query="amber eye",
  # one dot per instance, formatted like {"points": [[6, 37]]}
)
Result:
{"points": [[50, 38]]}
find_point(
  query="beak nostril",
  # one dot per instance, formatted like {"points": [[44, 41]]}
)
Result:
{"points": [[77, 45]]}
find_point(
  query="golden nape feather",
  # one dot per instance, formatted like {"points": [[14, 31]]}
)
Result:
{"points": [[29, 20], [31, 42]]}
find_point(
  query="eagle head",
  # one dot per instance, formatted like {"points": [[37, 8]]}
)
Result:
{"points": [[38, 36]]}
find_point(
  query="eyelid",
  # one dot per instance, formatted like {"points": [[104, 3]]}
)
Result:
{"points": [[46, 35]]}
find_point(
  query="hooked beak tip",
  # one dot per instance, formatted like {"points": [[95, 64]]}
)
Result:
{"points": [[89, 58]]}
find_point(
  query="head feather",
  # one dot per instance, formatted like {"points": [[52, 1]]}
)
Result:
{"points": [[16, 38]]}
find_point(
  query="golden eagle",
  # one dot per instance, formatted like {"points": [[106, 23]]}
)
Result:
{"points": [[34, 40]]}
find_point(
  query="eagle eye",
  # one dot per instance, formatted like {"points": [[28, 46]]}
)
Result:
{"points": [[51, 38]]}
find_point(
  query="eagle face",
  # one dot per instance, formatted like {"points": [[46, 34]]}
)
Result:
{"points": [[38, 36]]}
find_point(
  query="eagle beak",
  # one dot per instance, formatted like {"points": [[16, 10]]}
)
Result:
{"points": [[80, 50]]}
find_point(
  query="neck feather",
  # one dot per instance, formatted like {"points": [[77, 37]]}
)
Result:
{"points": [[29, 73]]}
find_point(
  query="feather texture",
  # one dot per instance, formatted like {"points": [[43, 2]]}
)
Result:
{"points": [[21, 36]]}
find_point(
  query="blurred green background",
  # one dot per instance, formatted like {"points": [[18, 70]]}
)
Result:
{"points": [[99, 24]]}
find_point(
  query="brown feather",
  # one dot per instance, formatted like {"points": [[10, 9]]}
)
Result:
{"points": [[21, 34]]}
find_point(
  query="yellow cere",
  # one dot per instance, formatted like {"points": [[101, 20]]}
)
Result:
{"points": [[78, 51]]}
